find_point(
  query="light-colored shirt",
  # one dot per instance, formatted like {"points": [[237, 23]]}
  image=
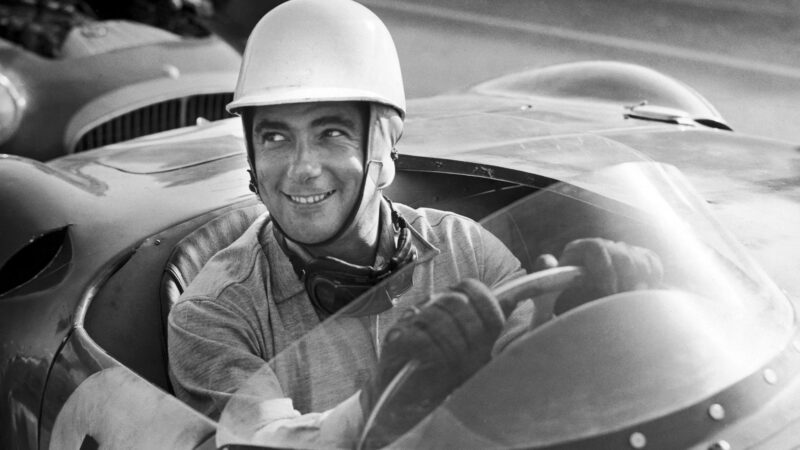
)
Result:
{"points": [[238, 327]]}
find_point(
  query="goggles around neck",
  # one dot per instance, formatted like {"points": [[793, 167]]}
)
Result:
{"points": [[336, 286]]}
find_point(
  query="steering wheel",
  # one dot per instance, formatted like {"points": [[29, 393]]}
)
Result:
{"points": [[508, 295]]}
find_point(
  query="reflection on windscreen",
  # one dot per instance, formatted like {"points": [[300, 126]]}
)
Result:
{"points": [[597, 368], [648, 205]]}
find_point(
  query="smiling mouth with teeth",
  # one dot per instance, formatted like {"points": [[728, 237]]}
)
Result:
{"points": [[309, 199]]}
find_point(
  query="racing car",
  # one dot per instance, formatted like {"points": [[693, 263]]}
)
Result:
{"points": [[81, 74], [98, 245]]}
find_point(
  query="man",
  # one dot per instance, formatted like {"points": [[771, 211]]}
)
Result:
{"points": [[322, 104]]}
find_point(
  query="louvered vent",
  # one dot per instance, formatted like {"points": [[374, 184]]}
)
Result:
{"points": [[157, 117]]}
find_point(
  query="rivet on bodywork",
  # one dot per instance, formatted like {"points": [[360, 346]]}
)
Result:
{"points": [[171, 71], [716, 411], [720, 445], [770, 376], [93, 30], [637, 440], [157, 242]]}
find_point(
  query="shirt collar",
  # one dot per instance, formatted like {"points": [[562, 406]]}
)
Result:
{"points": [[283, 279]]}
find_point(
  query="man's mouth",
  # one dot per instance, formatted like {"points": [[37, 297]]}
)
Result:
{"points": [[309, 199]]}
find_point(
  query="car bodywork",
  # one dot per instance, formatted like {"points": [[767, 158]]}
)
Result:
{"points": [[76, 75], [87, 236]]}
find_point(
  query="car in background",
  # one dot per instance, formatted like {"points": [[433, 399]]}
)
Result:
{"points": [[81, 74], [98, 245]]}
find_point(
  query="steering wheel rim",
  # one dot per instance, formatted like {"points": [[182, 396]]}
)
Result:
{"points": [[537, 284], [508, 295]]}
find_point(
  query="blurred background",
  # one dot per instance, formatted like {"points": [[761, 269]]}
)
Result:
{"points": [[743, 56], [75, 63]]}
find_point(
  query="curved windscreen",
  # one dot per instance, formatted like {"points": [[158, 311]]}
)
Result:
{"points": [[603, 366]]}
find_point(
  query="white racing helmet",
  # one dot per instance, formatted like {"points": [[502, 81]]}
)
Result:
{"points": [[319, 50]]}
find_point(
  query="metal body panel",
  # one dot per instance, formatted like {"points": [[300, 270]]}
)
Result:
{"points": [[23, 219], [99, 400], [640, 375], [611, 81], [776, 424], [109, 214], [70, 95]]}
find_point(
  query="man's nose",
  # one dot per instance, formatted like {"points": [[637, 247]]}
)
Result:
{"points": [[305, 161]]}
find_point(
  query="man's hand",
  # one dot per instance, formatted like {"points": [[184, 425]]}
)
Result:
{"points": [[611, 267], [450, 337]]}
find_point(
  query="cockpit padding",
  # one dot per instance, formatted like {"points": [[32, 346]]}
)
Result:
{"points": [[194, 251]]}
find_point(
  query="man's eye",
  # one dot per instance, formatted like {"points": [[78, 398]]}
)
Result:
{"points": [[333, 133], [272, 137]]}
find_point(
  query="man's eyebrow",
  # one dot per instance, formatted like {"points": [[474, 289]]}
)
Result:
{"points": [[333, 120], [270, 125]]}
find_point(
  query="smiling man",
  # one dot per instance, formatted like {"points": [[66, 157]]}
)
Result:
{"points": [[322, 104]]}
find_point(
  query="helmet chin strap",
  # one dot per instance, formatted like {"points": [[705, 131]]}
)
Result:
{"points": [[337, 286]]}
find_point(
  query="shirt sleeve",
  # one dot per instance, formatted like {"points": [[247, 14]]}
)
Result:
{"points": [[215, 366], [500, 266], [338, 427], [212, 352]]}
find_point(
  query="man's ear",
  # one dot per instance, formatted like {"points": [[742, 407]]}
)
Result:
{"points": [[247, 126], [386, 129], [387, 174], [253, 184]]}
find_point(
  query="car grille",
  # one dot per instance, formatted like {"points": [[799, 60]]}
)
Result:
{"points": [[166, 115]]}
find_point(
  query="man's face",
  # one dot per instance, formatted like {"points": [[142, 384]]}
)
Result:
{"points": [[309, 161]]}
